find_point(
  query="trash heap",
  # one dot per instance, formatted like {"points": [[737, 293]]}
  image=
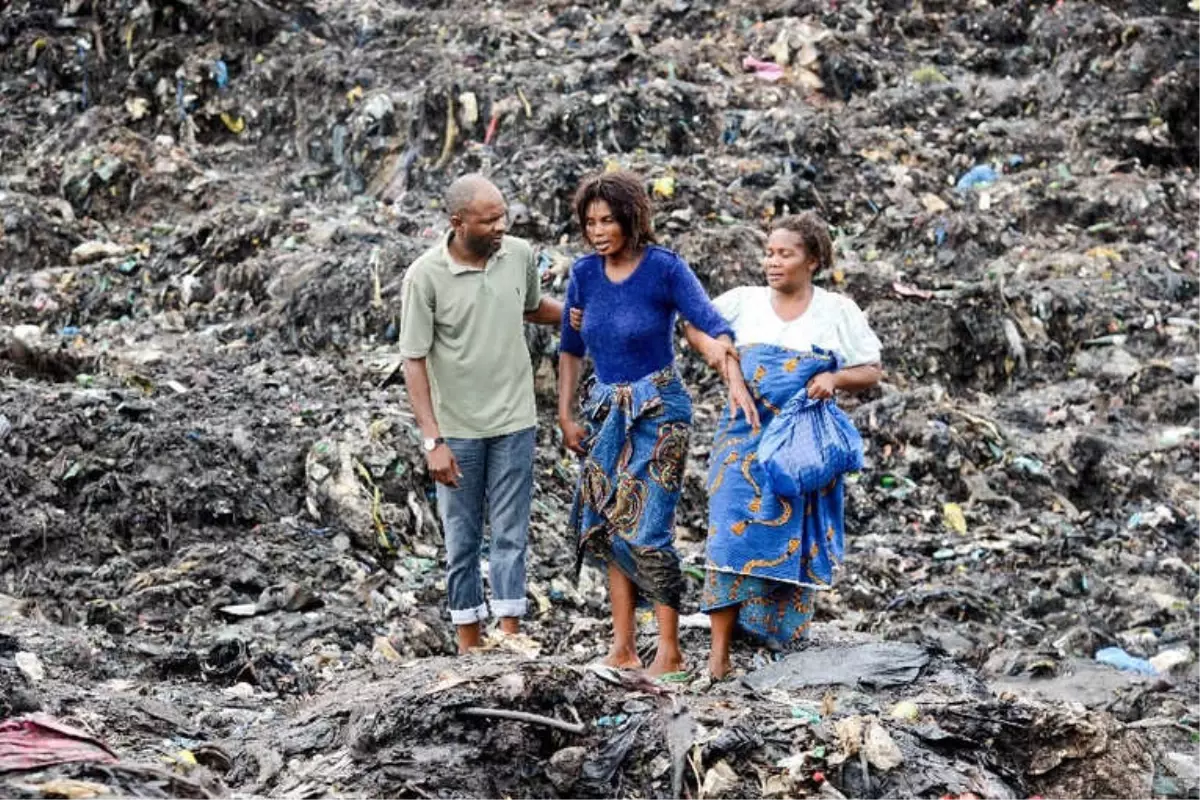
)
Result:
{"points": [[220, 557]]}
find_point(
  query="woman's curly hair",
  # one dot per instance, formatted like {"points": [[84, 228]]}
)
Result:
{"points": [[814, 235], [626, 196]]}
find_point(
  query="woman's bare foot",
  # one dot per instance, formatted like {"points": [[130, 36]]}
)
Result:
{"points": [[719, 666], [666, 662], [622, 658]]}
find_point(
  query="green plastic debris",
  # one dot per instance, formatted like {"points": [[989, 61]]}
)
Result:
{"points": [[928, 75], [807, 714]]}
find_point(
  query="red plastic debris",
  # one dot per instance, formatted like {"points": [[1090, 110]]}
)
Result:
{"points": [[37, 741]]}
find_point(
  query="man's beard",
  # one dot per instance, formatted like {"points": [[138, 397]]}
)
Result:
{"points": [[481, 245]]}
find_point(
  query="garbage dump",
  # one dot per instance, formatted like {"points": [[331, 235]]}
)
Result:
{"points": [[221, 567]]}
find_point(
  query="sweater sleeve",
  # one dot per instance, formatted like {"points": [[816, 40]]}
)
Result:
{"points": [[570, 340], [692, 302]]}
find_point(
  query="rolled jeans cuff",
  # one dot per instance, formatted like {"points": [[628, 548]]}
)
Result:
{"points": [[510, 608], [467, 616]]}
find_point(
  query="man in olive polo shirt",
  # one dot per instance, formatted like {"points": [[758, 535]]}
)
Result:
{"points": [[470, 382]]}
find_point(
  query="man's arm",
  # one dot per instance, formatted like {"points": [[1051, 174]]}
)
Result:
{"points": [[416, 379], [443, 467], [548, 312], [416, 340]]}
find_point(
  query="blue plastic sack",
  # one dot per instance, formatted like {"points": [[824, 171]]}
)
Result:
{"points": [[982, 175], [807, 445]]}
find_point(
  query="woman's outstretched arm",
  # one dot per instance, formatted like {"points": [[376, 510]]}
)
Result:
{"points": [[721, 355]]}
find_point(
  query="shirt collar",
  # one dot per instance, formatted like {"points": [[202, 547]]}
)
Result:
{"points": [[457, 268]]}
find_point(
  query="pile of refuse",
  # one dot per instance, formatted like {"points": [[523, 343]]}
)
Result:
{"points": [[213, 503]]}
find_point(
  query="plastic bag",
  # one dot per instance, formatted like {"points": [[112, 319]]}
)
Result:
{"points": [[808, 445]]}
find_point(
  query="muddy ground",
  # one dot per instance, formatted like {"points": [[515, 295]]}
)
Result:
{"points": [[220, 555]]}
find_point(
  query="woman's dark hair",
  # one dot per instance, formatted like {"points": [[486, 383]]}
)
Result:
{"points": [[814, 235], [626, 196]]}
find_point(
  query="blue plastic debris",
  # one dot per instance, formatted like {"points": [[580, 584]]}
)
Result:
{"points": [[733, 127], [81, 57], [1116, 657], [939, 233], [220, 73], [615, 721], [69, 330], [1015, 160], [978, 176]]}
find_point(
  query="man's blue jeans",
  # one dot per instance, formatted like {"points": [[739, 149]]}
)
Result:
{"points": [[497, 477]]}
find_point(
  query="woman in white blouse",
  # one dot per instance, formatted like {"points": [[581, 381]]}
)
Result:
{"points": [[767, 554]]}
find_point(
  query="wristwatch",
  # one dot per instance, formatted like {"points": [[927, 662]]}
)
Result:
{"points": [[429, 445]]}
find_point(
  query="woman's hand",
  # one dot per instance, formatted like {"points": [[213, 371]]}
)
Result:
{"points": [[740, 399], [573, 435], [576, 316], [717, 353], [823, 386]]}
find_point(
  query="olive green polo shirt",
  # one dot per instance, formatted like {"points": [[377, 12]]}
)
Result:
{"points": [[469, 326]]}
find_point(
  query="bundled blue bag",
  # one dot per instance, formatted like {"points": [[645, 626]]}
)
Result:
{"points": [[807, 445]]}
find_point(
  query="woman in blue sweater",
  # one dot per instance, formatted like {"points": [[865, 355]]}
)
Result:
{"points": [[637, 418]]}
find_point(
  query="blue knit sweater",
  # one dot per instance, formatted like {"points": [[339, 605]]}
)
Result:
{"points": [[628, 326]]}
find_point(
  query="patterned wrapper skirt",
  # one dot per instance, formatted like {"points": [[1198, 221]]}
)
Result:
{"points": [[624, 506], [768, 554]]}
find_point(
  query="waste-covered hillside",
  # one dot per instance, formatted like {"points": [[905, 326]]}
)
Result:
{"points": [[220, 563]]}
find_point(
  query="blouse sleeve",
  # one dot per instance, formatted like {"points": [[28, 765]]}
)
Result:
{"points": [[729, 306], [570, 340], [692, 301], [858, 343]]}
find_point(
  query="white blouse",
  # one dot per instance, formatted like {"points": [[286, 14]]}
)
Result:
{"points": [[832, 321]]}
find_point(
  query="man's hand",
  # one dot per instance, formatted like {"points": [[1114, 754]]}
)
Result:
{"points": [[823, 386], [443, 466], [577, 318], [573, 435]]}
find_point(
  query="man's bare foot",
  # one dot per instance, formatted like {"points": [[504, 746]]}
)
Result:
{"points": [[510, 625], [468, 637], [665, 663], [719, 666], [622, 658]]}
